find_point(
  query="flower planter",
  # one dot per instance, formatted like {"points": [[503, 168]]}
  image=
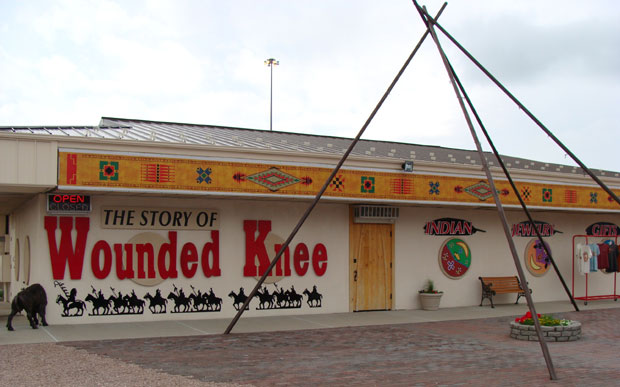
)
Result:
{"points": [[570, 332], [430, 301]]}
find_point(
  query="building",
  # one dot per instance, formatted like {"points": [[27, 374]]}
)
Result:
{"points": [[140, 220]]}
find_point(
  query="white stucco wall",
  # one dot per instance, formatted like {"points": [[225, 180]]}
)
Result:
{"points": [[328, 224], [417, 256], [415, 260]]}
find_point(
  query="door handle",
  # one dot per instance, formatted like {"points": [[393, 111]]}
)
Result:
{"points": [[355, 275]]}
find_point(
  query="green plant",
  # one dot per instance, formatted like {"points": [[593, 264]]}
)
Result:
{"points": [[546, 320], [430, 287]]}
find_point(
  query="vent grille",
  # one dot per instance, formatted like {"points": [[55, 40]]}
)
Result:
{"points": [[374, 214]]}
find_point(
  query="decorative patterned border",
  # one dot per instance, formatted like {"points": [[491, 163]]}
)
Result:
{"points": [[163, 173]]}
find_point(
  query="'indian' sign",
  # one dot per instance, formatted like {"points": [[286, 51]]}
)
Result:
{"points": [[450, 226]]}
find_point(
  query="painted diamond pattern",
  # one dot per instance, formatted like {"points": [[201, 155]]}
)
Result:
{"points": [[368, 184], [204, 175], [338, 183], [526, 193], [434, 188], [108, 170], [593, 197], [274, 179], [481, 190]]}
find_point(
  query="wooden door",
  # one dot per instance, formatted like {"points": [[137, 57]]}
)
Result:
{"points": [[370, 262]]}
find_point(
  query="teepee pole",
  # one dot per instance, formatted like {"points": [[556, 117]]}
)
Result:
{"points": [[500, 208], [327, 182], [525, 110], [515, 190]]}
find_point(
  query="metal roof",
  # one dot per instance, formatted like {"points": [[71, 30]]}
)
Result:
{"points": [[183, 133]]}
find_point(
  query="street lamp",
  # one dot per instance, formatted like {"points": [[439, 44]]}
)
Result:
{"points": [[271, 62]]}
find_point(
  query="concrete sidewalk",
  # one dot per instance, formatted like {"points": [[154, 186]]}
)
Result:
{"points": [[110, 331]]}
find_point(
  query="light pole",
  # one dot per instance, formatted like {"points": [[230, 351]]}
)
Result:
{"points": [[271, 62]]}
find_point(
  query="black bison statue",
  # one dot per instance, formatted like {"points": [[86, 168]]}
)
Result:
{"points": [[34, 301]]}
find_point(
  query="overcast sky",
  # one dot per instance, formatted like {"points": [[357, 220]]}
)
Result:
{"points": [[72, 62]]}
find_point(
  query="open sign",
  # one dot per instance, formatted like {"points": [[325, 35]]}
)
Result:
{"points": [[68, 203]]}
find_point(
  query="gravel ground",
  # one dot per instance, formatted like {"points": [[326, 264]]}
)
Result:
{"points": [[56, 365]]}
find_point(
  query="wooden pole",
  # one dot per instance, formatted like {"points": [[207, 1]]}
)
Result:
{"points": [[500, 208], [327, 182], [515, 190], [526, 111]]}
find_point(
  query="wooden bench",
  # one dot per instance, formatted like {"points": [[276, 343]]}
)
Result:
{"points": [[500, 285]]}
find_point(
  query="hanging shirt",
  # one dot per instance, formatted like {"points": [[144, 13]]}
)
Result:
{"points": [[594, 260], [613, 258], [583, 258], [603, 257]]}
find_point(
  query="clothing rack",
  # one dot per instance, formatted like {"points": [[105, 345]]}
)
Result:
{"points": [[588, 297]]}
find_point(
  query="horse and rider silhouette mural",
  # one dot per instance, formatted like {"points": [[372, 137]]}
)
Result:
{"points": [[278, 298], [69, 302], [157, 304], [314, 298], [96, 303]]}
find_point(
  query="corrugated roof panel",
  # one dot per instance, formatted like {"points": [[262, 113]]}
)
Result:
{"points": [[141, 130]]}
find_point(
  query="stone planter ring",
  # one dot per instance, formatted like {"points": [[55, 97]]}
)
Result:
{"points": [[570, 332]]}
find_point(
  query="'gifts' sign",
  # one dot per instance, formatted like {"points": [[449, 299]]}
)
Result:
{"points": [[603, 229]]}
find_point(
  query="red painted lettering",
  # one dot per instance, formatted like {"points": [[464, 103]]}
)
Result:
{"points": [[286, 257], [255, 247], [432, 228], [458, 229], [211, 268], [169, 249], [300, 259], [124, 270], [468, 227], [445, 228], [319, 259], [67, 253], [147, 249], [189, 259], [95, 260]]}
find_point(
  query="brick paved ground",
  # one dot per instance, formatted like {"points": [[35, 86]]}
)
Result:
{"points": [[466, 352]]}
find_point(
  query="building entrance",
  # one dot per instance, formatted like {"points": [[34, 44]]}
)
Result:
{"points": [[370, 261]]}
